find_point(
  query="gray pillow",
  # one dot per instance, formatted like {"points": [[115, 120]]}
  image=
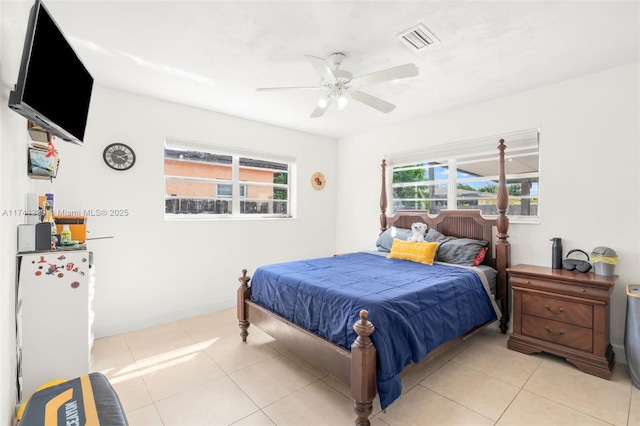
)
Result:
{"points": [[385, 240], [459, 251], [434, 236]]}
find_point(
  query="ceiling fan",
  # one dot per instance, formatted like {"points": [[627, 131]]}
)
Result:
{"points": [[338, 84]]}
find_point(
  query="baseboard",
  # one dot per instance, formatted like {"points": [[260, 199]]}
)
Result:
{"points": [[620, 354], [126, 325]]}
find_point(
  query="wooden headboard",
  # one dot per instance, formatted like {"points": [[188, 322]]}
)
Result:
{"points": [[466, 224], [456, 223]]}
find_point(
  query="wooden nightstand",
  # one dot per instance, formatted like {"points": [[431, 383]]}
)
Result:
{"points": [[565, 313]]}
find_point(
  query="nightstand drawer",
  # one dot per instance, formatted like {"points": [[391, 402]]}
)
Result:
{"points": [[558, 310], [560, 287], [558, 332]]}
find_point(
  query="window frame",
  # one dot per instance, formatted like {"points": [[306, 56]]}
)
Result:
{"points": [[525, 142], [243, 190], [238, 196]]}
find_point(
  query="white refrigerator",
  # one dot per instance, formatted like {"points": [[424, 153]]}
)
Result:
{"points": [[53, 317]]}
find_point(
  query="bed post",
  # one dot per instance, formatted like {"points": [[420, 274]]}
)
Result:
{"points": [[363, 370], [503, 248], [243, 293], [383, 198]]}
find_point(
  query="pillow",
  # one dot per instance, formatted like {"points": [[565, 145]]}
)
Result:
{"points": [[422, 252], [435, 236], [480, 256], [385, 240], [459, 251]]}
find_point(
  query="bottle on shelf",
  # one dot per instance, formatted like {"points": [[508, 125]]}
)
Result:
{"points": [[65, 235], [48, 217]]}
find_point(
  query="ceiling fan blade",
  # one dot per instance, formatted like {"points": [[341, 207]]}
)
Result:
{"points": [[401, 71], [319, 111], [323, 68], [372, 101], [262, 89]]}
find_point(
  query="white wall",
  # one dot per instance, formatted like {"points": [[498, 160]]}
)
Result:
{"points": [[155, 271], [14, 184], [589, 152]]}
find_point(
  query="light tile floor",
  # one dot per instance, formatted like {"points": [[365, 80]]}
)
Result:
{"points": [[198, 372]]}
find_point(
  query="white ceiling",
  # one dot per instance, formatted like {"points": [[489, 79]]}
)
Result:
{"points": [[214, 54]]}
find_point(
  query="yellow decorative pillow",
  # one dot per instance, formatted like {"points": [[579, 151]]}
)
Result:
{"points": [[422, 252]]}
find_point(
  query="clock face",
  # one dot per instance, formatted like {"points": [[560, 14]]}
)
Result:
{"points": [[119, 156]]}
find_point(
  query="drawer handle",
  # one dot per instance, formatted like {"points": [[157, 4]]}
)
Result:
{"points": [[560, 333], [559, 311]]}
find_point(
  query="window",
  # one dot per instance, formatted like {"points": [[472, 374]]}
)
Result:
{"points": [[205, 181], [465, 176], [224, 190]]}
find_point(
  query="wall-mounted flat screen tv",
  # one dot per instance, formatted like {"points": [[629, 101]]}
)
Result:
{"points": [[54, 87]]}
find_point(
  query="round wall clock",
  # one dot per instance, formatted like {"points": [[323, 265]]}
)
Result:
{"points": [[119, 156], [318, 181]]}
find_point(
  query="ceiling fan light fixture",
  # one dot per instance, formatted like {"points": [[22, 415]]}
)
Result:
{"points": [[323, 102], [342, 102]]}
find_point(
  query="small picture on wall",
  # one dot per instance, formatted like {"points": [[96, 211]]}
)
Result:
{"points": [[41, 166]]}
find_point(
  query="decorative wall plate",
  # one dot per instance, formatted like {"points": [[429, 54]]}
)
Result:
{"points": [[318, 181]]}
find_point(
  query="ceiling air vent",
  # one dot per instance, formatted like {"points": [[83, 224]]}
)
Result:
{"points": [[418, 38]]}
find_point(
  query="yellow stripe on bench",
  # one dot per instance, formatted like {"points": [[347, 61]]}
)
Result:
{"points": [[90, 411], [51, 408]]}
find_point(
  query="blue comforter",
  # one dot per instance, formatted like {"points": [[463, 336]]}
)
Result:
{"points": [[414, 307]]}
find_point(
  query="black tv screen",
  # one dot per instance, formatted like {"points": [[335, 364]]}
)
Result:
{"points": [[54, 87]]}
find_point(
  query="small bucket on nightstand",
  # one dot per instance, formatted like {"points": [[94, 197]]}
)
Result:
{"points": [[604, 261]]}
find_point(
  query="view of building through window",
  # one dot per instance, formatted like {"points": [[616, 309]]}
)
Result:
{"points": [[208, 183]]}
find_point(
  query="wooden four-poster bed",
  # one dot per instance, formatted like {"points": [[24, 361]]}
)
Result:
{"points": [[360, 364]]}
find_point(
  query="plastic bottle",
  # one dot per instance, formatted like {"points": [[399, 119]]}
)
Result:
{"points": [[556, 253], [48, 217], [65, 235]]}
